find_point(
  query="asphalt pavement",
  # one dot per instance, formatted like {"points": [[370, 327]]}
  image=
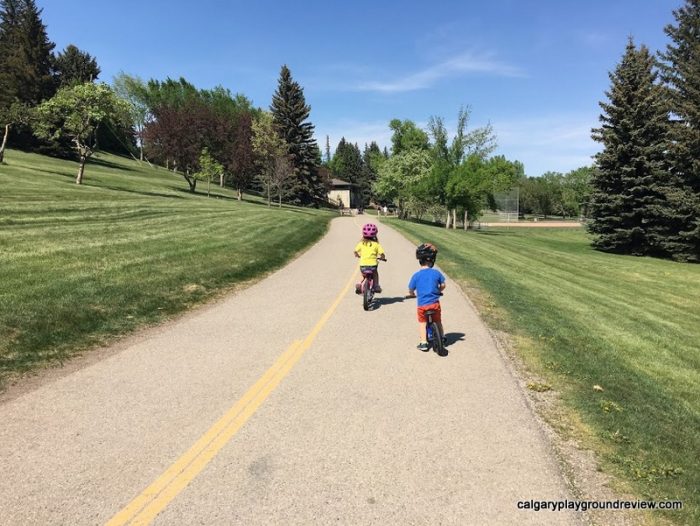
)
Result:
{"points": [[286, 403]]}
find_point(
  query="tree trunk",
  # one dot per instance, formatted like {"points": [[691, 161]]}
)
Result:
{"points": [[279, 202], [466, 215], [208, 185], [81, 170], [240, 194], [221, 179], [190, 181], [269, 196], [4, 143], [454, 219]]}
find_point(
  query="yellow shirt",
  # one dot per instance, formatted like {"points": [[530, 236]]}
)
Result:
{"points": [[369, 250]]}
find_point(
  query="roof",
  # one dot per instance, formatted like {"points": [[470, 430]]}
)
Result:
{"points": [[340, 182]]}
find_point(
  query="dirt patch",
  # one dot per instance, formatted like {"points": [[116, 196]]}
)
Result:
{"points": [[538, 224]]}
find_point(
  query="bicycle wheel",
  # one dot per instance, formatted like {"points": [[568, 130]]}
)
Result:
{"points": [[437, 340], [366, 294]]}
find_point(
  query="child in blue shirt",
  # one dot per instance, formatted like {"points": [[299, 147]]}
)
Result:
{"points": [[427, 285]]}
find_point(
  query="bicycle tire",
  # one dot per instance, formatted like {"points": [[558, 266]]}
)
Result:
{"points": [[437, 340], [366, 294]]}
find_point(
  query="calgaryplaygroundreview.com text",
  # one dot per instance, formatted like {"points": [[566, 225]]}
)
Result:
{"points": [[586, 505]]}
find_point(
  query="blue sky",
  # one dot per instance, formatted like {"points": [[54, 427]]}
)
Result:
{"points": [[534, 69]]}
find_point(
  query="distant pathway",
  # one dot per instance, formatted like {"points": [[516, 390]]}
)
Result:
{"points": [[286, 403]]}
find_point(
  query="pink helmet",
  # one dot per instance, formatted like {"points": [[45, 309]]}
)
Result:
{"points": [[369, 230]]}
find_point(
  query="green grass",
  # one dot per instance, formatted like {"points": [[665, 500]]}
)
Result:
{"points": [[583, 318], [131, 246]]}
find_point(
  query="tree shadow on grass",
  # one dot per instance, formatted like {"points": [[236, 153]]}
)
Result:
{"points": [[150, 194], [108, 164]]}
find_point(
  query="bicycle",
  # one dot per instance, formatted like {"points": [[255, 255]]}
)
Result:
{"points": [[367, 286], [433, 333]]}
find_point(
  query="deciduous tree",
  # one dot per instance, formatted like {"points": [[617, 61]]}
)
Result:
{"points": [[75, 113]]}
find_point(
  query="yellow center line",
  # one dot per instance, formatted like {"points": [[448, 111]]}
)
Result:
{"points": [[146, 506]]}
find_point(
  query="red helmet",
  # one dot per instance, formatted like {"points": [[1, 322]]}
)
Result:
{"points": [[369, 230]]}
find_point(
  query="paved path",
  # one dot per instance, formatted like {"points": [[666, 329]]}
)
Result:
{"points": [[285, 404]]}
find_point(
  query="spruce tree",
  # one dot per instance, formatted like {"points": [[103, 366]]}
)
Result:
{"points": [[681, 73], [628, 198], [290, 113], [74, 66], [25, 67], [26, 51]]}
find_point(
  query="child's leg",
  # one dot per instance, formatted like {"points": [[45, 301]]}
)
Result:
{"points": [[376, 278], [423, 332]]}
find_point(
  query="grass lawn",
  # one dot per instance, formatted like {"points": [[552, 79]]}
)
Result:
{"points": [[583, 318], [131, 246]]}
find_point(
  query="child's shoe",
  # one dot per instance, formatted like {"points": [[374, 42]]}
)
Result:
{"points": [[423, 346], [358, 288], [377, 289]]}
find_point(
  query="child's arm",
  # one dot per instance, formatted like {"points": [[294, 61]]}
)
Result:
{"points": [[441, 286], [411, 293], [357, 254]]}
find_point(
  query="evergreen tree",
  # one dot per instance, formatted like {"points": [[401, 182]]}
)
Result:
{"points": [[327, 160], [628, 199], [25, 68], [290, 113], [681, 73], [371, 159], [74, 66]]}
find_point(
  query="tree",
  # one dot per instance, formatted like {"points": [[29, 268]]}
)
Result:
{"points": [[25, 61], [479, 142], [282, 174], [680, 71], [407, 136], [472, 184], [290, 113], [76, 113], [74, 66], [399, 174], [631, 169], [240, 158], [268, 146], [134, 92], [209, 168]]}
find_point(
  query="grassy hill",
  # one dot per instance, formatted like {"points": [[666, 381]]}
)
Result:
{"points": [[582, 318], [131, 246]]}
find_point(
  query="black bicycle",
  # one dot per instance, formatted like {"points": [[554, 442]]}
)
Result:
{"points": [[434, 335]]}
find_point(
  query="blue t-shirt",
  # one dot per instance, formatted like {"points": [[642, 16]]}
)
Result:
{"points": [[425, 282]]}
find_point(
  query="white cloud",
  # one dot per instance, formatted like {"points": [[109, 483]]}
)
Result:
{"points": [[467, 62], [557, 142]]}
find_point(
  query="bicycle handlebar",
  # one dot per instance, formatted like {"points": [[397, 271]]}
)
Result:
{"points": [[410, 296]]}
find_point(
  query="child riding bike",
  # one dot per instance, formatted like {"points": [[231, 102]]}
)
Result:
{"points": [[427, 284], [369, 251]]}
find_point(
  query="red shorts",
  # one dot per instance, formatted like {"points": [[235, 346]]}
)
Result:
{"points": [[434, 306]]}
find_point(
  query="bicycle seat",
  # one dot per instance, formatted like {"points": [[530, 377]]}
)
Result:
{"points": [[368, 272], [429, 312]]}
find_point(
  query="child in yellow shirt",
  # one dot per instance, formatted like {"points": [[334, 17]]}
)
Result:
{"points": [[369, 251]]}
